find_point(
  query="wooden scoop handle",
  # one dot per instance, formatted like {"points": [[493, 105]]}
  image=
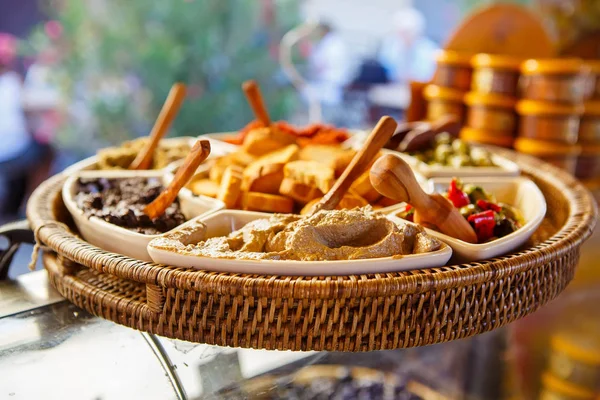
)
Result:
{"points": [[199, 153], [392, 177], [166, 116], [255, 99], [377, 139]]}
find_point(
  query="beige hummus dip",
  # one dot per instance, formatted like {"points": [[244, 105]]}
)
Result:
{"points": [[328, 235]]}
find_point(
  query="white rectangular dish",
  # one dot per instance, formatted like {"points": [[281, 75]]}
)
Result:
{"points": [[519, 192], [114, 238], [224, 222], [505, 167]]}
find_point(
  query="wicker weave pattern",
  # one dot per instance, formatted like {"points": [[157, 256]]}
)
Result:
{"points": [[350, 313]]}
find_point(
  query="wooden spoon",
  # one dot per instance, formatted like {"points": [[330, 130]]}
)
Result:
{"points": [[393, 178], [199, 153], [255, 99], [421, 136], [161, 126], [377, 139]]}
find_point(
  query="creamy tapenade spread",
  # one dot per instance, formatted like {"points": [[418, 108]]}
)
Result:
{"points": [[121, 201]]}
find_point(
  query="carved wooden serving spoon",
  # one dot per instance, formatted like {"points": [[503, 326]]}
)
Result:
{"points": [[392, 177]]}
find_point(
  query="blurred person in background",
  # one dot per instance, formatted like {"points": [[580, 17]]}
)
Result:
{"points": [[328, 71], [20, 155], [14, 137], [407, 54]]}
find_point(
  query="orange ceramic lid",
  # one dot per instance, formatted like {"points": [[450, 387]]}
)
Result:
{"points": [[496, 61], [482, 136], [593, 65], [555, 384], [453, 58], [503, 28], [533, 107], [577, 347], [432, 92], [592, 108], [553, 66], [489, 99], [546, 147]]}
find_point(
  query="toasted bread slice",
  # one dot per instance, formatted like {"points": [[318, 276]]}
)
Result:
{"points": [[310, 173], [231, 186], [220, 164], [261, 141], [349, 201], [263, 179], [269, 164], [254, 201], [334, 157], [298, 191], [362, 186], [204, 187]]}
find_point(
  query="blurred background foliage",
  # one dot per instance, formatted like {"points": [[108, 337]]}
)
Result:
{"points": [[115, 62]]}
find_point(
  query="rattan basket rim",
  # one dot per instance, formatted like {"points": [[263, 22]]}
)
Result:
{"points": [[579, 225]]}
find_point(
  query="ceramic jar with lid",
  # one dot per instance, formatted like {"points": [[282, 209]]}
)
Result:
{"points": [[559, 154], [554, 80], [594, 79], [554, 388], [453, 70], [442, 101], [469, 134], [575, 358], [491, 112], [495, 74], [589, 126], [549, 121]]}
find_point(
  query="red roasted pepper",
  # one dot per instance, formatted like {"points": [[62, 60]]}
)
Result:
{"points": [[484, 223], [457, 196], [486, 205]]}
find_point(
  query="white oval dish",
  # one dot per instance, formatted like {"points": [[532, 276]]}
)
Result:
{"points": [[519, 192], [505, 167], [218, 148], [114, 238], [224, 222]]}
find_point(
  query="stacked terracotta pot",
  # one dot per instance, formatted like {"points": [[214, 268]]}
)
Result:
{"points": [[491, 116], [588, 163], [452, 79], [553, 93]]}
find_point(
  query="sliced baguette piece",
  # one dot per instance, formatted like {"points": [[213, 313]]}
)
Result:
{"points": [[264, 179], [362, 186], [261, 141], [298, 191], [349, 201], [310, 173], [231, 186], [220, 164], [254, 201], [204, 187], [335, 157]]}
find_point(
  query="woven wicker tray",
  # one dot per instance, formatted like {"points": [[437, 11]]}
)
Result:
{"points": [[346, 313]]}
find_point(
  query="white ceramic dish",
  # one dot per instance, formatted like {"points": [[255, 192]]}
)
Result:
{"points": [[519, 192], [224, 222], [218, 148], [119, 240], [505, 167]]}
